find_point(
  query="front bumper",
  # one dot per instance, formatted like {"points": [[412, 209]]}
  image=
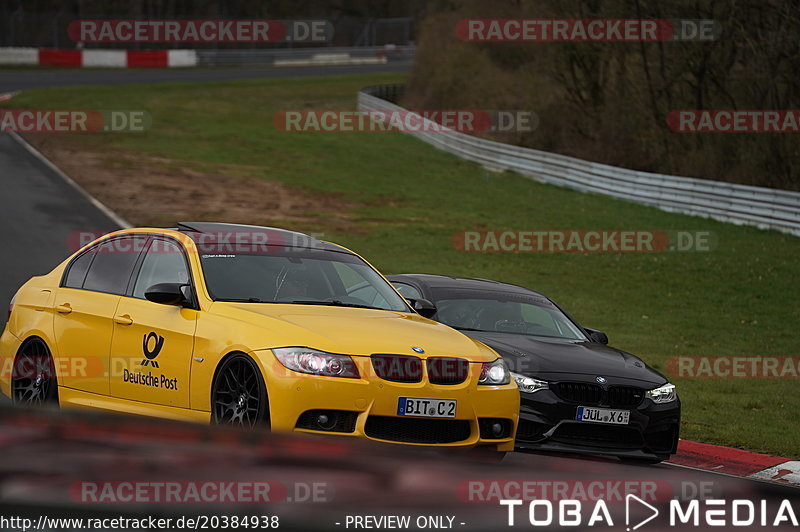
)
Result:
{"points": [[367, 407], [548, 423]]}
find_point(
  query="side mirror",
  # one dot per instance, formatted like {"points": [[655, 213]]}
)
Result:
{"points": [[424, 308], [598, 337], [166, 294]]}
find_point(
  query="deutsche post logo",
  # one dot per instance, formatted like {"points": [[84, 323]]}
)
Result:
{"points": [[151, 346]]}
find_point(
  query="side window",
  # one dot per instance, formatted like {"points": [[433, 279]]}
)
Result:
{"points": [[164, 263], [113, 264], [77, 270], [406, 290]]}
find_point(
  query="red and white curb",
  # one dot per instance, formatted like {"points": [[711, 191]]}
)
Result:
{"points": [[736, 462], [98, 58]]}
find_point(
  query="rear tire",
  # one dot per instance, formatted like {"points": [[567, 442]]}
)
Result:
{"points": [[238, 395], [33, 379]]}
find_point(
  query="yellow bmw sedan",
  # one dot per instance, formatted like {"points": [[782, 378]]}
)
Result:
{"points": [[250, 326]]}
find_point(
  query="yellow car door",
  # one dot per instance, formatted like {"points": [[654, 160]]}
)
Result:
{"points": [[151, 350], [85, 305]]}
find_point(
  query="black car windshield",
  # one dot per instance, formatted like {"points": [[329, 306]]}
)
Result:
{"points": [[298, 276], [489, 311]]}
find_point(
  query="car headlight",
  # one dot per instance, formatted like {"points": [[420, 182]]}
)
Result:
{"points": [[663, 394], [313, 362], [529, 384], [495, 373]]}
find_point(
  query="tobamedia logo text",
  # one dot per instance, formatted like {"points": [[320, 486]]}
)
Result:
{"points": [[639, 513], [152, 344]]}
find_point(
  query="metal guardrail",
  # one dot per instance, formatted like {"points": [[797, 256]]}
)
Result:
{"points": [[728, 202], [269, 56]]}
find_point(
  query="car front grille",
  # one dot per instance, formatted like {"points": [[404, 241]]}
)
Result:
{"points": [[629, 396], [447, 370], [607, 436], [430, 431], [588, 394], [579, 392], [397, 368]]}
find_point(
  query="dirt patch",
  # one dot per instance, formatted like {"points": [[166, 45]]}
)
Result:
{"points": [[155, 191]]}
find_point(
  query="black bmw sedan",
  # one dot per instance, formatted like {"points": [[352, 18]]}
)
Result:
{"points": [[577, 393]]}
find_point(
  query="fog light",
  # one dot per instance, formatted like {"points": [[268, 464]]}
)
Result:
{"points": [[326, 422], [497, 430]]}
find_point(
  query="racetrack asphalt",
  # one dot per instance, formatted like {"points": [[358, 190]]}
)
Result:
{"points": [[39, 211], [31, 78]]}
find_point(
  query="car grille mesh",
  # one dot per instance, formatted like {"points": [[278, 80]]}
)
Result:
{"points": [[397, 368], [588, 394], [446, 370], [429, 431], [579, 392]]}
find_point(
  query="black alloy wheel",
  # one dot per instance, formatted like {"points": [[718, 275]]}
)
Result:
{"points": [[33, 380], [239, 396]]}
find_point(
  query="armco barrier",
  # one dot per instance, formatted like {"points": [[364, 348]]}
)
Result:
{"points": [[97, 58], [113, 58], [304, 56], [739, 204]]}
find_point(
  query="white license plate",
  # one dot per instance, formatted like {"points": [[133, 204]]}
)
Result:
{"points": [[603, 415], [419, 406]]}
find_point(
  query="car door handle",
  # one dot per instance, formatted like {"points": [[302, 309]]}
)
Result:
{"points": [[64, 309], [125, 319]]}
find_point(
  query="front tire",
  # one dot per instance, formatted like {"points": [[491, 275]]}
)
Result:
{"points": [[239, 396], [33, 380]]}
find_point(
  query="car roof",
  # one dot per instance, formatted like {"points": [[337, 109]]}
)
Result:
{"points": [[467, 283], [212, 231]]}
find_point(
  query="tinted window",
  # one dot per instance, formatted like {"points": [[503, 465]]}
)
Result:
{"points": [[504, 313], [164, 263], [77, 270], [113, 264], [407, 290], [299, 276]]}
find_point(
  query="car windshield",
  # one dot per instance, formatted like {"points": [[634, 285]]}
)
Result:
{"points": [[501, 312], [298, 276]]}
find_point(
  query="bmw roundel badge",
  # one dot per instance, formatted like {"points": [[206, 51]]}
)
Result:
{"points": [[601, 380], [418, 350]]}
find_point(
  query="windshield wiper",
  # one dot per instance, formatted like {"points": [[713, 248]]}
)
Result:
{"points": [[467, 329], [333, 303]]}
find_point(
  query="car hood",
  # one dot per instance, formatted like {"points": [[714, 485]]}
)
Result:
{"points": [[354, 331], [558, 359]]}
